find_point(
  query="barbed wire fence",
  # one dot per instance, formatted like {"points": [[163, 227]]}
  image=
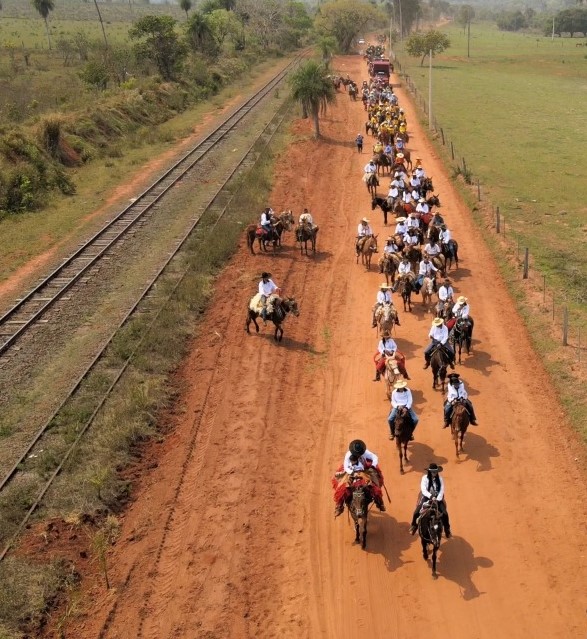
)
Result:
{"points": [[566, 315]]}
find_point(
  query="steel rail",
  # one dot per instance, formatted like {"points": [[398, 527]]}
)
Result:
{"points": [[19, 466], [28, 310]]}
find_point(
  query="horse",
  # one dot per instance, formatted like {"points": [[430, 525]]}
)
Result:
{"points": [[439, 361], [459, 422], [403, 208], [444, 309], [359, 505], [414, 255], [405, 287], [450, 250], [386, 317], [430, 531], [382, 162], [365, 249], [439, 261], [433, 234], [461, 335], [305, 234], [403, 428], [392, 375], [277, 314], [353, 90], [383, 204], [407, 156], [372, 183], [427, 290], [426, 185], [284, 222], [433, 200], [388, 264]]}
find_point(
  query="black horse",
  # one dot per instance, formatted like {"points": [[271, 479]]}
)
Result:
{"points": [[383, 204], [462, 335], [281, 307], [426, 186], [405, 287], [359, 506], [439, 360], [450, 250], [430, 531], [372, 183]]}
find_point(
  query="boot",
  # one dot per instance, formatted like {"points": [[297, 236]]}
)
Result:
{"points": [[338, 509], [391, 435], [452, 365], [413, 529], [447, 533], [446, 424], [474, 422], [427, 365], [377, 376], [379, 503]]}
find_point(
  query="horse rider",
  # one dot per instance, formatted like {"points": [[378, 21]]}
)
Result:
{"points": [[266, 288], [388, 152], [401, 228], [432, 488], [387, 348], [413, 221], [359, 459], [445, 235], [393, 193], [437, 219], [364, 231], [401, 397], [369, 169], [378, 147], [438, 335], [411, 237], [415, 181], [432, 249], [427, 269], [456, 390], [307, 220], [383, 297], [389, 249], [419, 170], [359, 142], [445, 295], [422, 206], [267, 220], [461, 310]]}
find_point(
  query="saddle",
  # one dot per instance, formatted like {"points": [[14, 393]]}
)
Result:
{"points": [[256, 305]]}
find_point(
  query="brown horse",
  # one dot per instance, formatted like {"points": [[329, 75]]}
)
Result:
{"points": [[439, 362], [430, 531], [388, 265], [372, 183], [392, 375], [365, 249], [284, 222], [305, 234], [280, 309], [405, 287], [459, 423], [401, 429], [427, 290], [386, 317]]}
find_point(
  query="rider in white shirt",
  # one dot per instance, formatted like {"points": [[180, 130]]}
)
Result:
{"points": [[438, 334], [446, 291], [432, 487], [364, 230], [266, 288], [390, 246], [456, 390], [427, 269], [401, 397], [370, 167], [267, 219], [432, 249], [461, 309], [444, 235], [411, 237], [413, 221], [401, 228], [306, 218], [422, 206]]}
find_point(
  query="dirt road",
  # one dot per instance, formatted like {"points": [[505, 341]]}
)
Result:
{"points": [[233, 535]]}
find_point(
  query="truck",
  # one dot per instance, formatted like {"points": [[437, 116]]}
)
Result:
{"points": [[380, 68]]}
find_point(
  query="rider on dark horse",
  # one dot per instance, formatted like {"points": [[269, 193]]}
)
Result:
{"points": [[438, 339], [357, 459], [456, 390], [267, 222], [432, 487], [267, 287], [401, 398]]}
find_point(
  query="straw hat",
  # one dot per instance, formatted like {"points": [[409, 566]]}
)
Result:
{"points": [[462, 300], [437, 321], [400, 219], [384, 285], [365, 220], [400, 384]]}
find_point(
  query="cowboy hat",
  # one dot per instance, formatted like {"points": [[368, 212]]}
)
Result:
{"points": [[357, 447], [434, 467], [437, 321], [462, 299], [384, 285], [399, 155], [454, 376], [400, 219], [421, 200], [401, 383], [365, 220], [265, 275]]}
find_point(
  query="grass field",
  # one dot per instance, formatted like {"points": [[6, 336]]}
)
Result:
{"points": [[516, 111]]}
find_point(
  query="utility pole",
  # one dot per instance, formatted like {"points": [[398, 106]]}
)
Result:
{"points": [[430, 91], [468, 34], [552, 38], [401, 24]]}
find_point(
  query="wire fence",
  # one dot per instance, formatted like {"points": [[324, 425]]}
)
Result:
{"points": [[566, 315]]}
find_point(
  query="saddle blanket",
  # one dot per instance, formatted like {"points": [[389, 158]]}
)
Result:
{"points": [[256, 305]]}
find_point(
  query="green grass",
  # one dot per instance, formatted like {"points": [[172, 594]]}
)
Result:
{"points": [[515, 110]]}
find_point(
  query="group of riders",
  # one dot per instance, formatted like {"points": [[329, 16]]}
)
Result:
{"points": [[427, 232]]}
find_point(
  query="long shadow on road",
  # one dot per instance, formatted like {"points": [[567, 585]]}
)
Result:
{"points": [[457, 563]]}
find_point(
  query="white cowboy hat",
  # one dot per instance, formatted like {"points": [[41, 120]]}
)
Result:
{"points": [[421, 200], [384, 285], [437, 321], [399, 155], [365, 220], [400, 219], [462, 299], [401, 384]]}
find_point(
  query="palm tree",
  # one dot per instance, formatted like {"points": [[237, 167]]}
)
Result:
{"points": [[44, 8], [314, 90], [327, 46], [185, 5]]}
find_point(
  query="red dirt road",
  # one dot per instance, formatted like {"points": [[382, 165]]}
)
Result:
{"points": [[233, 534]]}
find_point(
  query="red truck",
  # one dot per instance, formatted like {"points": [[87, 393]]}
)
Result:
{"points": [[381, 68]]}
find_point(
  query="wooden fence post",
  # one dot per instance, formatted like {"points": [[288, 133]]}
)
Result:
{"points": [[526, 255], [544, 290], [452, 150], [478, 191], [566, 326], [464, 166], [442, 134], [497, 220]]}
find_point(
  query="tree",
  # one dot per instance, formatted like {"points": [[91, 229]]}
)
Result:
{"points": [[44, 8], [327, 46], [311, 87], [511, 21], [264, 19], [465, 15], [200, 35], [344, 20], [159, 43], [420, 44], [224, 24], [185, 5]]}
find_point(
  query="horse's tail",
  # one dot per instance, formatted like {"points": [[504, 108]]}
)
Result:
{"points": [[251, 240]]}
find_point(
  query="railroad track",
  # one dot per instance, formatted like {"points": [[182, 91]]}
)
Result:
{"points": [[149, 303], [28, 312]]}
